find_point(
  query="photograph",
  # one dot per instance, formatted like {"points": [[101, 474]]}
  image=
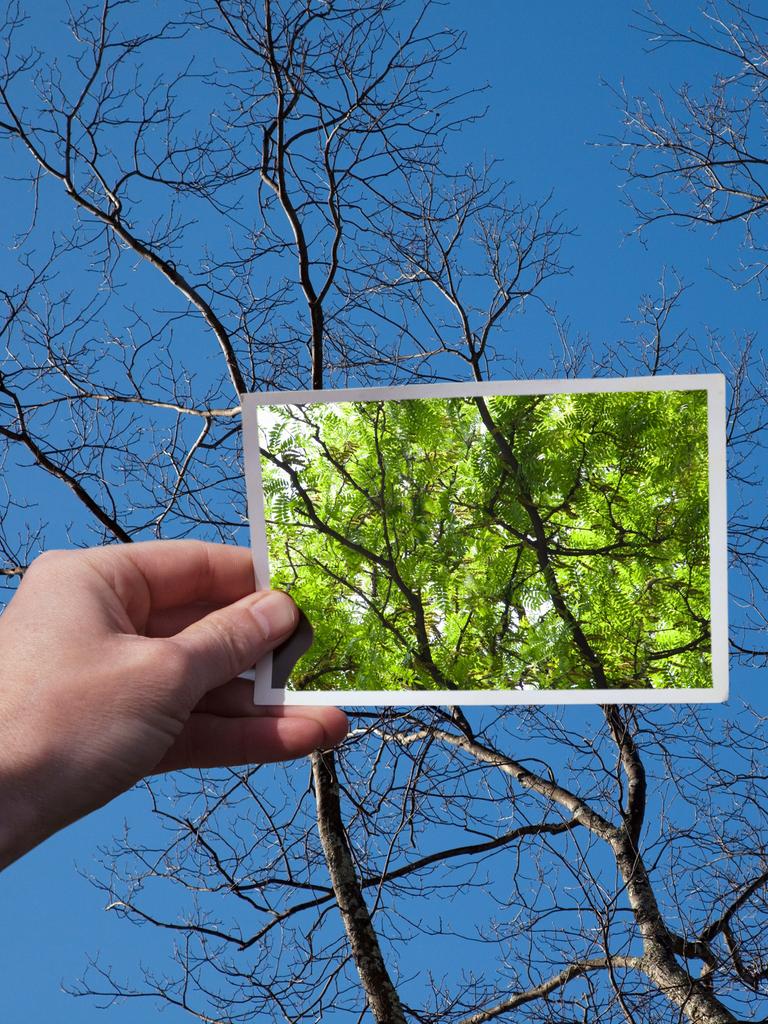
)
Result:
{"points": [[497, 546]]}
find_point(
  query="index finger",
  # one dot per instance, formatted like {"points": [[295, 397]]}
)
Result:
{"points": [[182, 571]]}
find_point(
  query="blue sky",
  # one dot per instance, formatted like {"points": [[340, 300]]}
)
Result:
{"points": [[543, 64]]}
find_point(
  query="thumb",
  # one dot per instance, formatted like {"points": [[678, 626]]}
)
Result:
{"points": [[230, 640]]}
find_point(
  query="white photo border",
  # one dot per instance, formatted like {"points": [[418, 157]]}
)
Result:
{"points": [[712, 383]]}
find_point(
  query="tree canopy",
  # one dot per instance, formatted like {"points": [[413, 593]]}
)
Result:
{"points": [[519, 542]]}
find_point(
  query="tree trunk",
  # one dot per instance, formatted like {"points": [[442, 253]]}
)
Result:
{"points": [[366, 951]]}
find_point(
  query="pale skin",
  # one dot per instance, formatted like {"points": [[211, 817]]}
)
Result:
{"points": [[121, 662]]}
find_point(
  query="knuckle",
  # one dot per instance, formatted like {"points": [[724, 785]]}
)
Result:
{"points": [[231, 641], [254, 628], [47, 559], [46, 564]]}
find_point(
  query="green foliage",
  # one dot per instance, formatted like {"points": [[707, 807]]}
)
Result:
{"points": [[565, 548]]}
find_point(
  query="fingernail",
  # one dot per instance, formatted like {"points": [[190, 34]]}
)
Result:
{"points": [[275, 613]]}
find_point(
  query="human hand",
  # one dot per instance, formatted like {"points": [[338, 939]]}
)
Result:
{"points": [[121, 662]]}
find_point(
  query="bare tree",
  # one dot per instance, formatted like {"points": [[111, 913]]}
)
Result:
{"points": [[285, 179], [698, 156]]}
